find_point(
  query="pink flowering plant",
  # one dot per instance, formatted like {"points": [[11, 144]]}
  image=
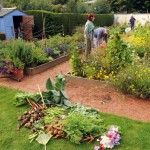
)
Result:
{"points": [[11, 67], [110, 139], [8, 68]]}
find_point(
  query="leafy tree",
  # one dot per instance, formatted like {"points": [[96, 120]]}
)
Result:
{"points": [[130, 5], [81, 7], [62, 2], [57, 8], [101, 7], [71, 6]]}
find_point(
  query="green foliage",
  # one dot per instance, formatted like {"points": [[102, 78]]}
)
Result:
{"points": [[131, 129], [117, 29], [78, 34], [53, 113], [101, 7], [129, 5], [23, 53], [116, 6], [39, 57], [71, 6], [104, 62], [22, 98], [76, 64], [65, 23], [77, 125], [140, 43], [81, 7], [55, 93], [135, 79], [57, 8], [21, 50], [120, 53], [18, 63]]}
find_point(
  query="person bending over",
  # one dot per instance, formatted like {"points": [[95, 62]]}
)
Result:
{"points": [[101, 35]]}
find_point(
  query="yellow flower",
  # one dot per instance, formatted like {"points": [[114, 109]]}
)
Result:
{"points": [[90, 77], [106, 77]]}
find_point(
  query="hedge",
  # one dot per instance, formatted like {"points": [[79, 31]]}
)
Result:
{"points": [[64, 23]]}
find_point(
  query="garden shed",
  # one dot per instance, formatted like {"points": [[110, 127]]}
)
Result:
{"points": [[15, 23]]}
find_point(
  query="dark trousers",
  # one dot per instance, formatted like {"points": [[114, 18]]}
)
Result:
{"points": [[132, 26]]}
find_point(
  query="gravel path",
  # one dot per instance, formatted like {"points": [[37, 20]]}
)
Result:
{"points": [[104, 99]]}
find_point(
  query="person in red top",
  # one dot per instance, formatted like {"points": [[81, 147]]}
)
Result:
{"points": [[89, 34]]}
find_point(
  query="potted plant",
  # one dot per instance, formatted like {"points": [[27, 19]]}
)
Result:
{"points": [[14, 68]]}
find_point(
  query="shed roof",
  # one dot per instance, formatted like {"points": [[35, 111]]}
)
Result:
{"points": [[5, 11]]}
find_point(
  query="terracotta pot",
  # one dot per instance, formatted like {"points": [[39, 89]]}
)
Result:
{"points": [[19, 75]]}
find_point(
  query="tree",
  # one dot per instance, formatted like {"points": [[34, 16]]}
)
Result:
{"points": [[101, 7], [129, 6], [71, 6], [81, 7]]}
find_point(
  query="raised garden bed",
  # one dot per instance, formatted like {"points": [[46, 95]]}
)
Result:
{"points": [[85, 81], [43, 67]]}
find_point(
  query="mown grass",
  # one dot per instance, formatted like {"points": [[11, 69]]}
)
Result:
{"points": [[136, 134]]}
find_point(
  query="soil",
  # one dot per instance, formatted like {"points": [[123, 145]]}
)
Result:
{"points": [[105, 99]]}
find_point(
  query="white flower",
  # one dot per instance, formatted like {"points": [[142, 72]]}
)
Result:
{"points": [[106, 141]]}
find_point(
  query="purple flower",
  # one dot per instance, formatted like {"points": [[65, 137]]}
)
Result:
{"points": [[110, 139], [96, 148]]}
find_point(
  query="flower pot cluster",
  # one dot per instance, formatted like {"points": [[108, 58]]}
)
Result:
{"points": [[13, 70]]}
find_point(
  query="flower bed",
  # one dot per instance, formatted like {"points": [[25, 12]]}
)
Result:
{"points": [[43, 67]]}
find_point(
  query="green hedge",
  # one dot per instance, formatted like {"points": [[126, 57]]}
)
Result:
{"points": [[65, 22]]}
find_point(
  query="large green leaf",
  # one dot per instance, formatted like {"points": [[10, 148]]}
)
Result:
{"points": [[49, 102], [64, 94], [56, 99], [59, 77], [50, 85], [60, 85], [56, 93], [60, 82], [67, 103], [47, 95]]}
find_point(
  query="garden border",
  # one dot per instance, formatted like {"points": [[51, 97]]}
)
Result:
{"points": [[84, 81], [43, 67]]}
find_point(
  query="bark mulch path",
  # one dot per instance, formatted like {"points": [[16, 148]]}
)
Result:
{"points": [[105, 99]]}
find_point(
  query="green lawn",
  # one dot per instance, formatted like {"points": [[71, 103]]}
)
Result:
{"points": [[136, 134]]}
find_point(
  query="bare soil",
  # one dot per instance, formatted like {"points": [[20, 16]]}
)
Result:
{"points": [[105, 99]]}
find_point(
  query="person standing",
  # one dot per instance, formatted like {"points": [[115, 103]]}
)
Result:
{"points": [[132, 22], [89, 34], [100, 36]]}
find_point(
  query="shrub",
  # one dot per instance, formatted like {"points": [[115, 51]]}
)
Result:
{"points": [[76, 64], [19, 49], [135, 79], [120, 53], [39, 57], [106, 62]]}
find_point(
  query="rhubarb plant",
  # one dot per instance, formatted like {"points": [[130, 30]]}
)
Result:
{"points": [[55, 94]]}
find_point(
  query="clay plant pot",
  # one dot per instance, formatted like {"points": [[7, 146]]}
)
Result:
{"points": [[18, 76]]}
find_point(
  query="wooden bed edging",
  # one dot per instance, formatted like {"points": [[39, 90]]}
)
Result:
{"points": [[84, 81], [43, 67]]}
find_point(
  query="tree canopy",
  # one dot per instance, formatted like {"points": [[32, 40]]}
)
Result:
{"points": [[126, 6]]}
